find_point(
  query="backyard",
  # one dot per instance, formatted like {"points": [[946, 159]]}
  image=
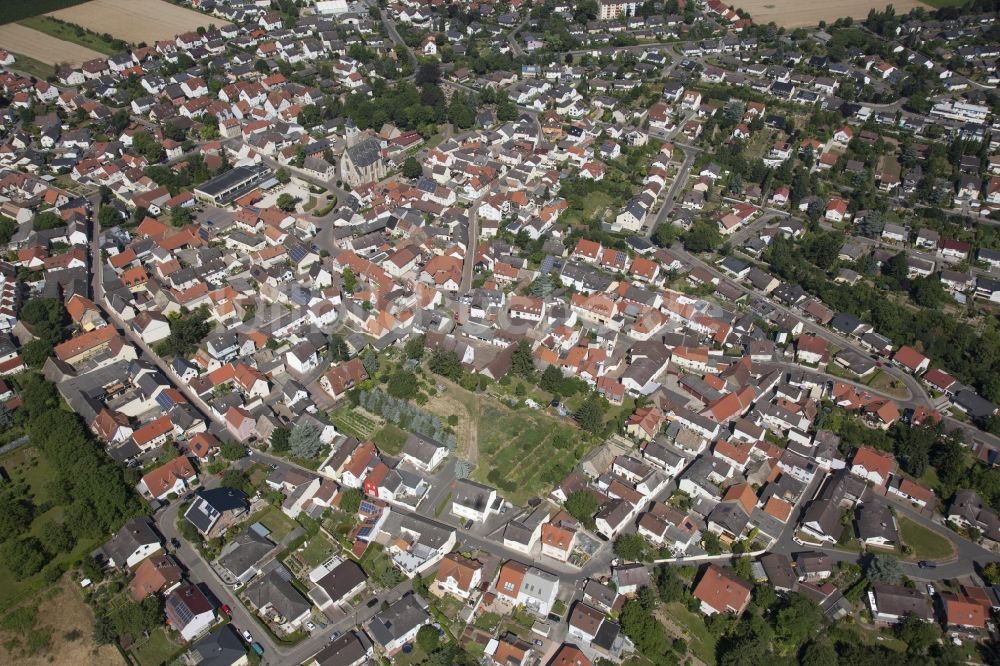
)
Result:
{"points": [[390, 439], [155, 650], [379, 567], [274, 520]]}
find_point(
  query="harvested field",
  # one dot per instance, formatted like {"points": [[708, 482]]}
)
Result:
{"points": [[60, 635], [42, 47], [800, 13], [136, 20]]}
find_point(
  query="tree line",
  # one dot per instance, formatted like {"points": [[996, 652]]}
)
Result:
{"points": [[88, 485]]}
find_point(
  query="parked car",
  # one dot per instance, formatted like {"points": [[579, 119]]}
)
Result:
{"points": [[335, 635], [310, 626], [258, 648], [373, 603], [227, 610], [175, 542], [247, 636], [926, 564]]}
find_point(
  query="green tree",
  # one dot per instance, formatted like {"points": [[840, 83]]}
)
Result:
{"points": [[236, 478], [23, 557], [703, 237], [338, 348], [350, 281], [590, 416], [56, 537], [711, 543], [411, 168], [15, 516], [665, 234], [818, 653], [631, 547], [304, 441], [107, 217], [522, 362], [551, 379], [369, 359], [446, 363], [145, 145], [796, 621], [179, 216], [646, 632], [232, 450], [350, 501], [36, 352], [403, 385], [884, 568], [582, 505], [47, 220], [414, 348], [428, 639], [286, 202], [918, 635], [279, 439], [282, 176]]}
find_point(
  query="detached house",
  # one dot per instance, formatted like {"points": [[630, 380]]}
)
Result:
{"points": [[720, 591]]}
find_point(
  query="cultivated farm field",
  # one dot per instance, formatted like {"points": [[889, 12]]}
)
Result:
{"points": [[46, 48], [136, 20], [803, 13]]}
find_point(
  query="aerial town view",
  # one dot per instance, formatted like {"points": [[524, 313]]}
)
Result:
{"points": [[515, 333]]}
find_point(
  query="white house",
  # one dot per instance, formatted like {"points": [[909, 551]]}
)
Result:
{"points": [[474, 501]]}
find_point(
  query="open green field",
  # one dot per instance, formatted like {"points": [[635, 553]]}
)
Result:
{"points": [[69, 33], [525, 453], [16, 10], [926, 545], [32, 67]]}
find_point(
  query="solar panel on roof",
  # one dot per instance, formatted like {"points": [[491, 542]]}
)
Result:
{"points": [[182, 612]]}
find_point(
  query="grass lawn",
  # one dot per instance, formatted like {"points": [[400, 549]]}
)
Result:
{"points": [[272, 518], [158, 649], [926, 545], [526, 452], [390, 439], [417, 656], [68, 33], [317, 550], [883, 381], [33, 67], [378, 565], [594, 202], [701, 641]]}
